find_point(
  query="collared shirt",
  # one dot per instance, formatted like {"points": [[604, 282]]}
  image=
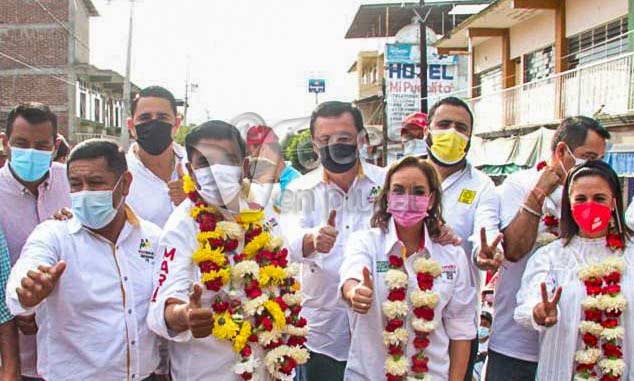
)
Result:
{"points": [[191, 359], [508, 337], [95, 318], [20, 213], [306, 206], [559, 266], [149, 194], [454, 312], [469, 203], [5, 268]]}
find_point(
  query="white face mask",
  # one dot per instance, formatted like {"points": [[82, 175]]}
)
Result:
{"points": [[266, 193], [415, 147], [578, 161], [219, 184]]}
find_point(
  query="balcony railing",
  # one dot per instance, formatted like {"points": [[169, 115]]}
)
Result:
{"points": [[81, 136], [606, 86]]}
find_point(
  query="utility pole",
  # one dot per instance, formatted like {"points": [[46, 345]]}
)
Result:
{"points": [[125, 135], [423, 57]]}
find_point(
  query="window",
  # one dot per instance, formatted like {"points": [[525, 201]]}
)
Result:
{"points": [[488, 82], [605, 41], [97, 110], [539, 64], [82, 105]]}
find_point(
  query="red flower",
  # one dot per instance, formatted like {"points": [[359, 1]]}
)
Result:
{"points": [[612, 289], [214, 284], [288, 365], [273, 345], [253, 338], [295, 310], [395, 350], [246, 351], [246, 376], [396, 294], [207, 222], [614, 277], [611, 350], [593, 282], [614, 241], [253, 293], [231, 245], [424, 313], [541, 165], [585, 367], [607, 377], [420, 365], [220, 306], [425, 281], [296, 341], [267, 323], [421, 342], [393, 325], [593, 315], [590, 340], [551, 221], [392, 377], [593, 290], [301, 323], [239, 257], [282, 303], [395, 261], [610, 323], [208, 266], [613, 314]]}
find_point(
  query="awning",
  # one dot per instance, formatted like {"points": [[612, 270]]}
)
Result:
{"points": [[511, 152], [621, 162], [500, 170]]}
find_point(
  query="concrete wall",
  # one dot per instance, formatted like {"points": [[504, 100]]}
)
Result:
{"points": [[488, 54], [535, 33], [585, 14], [82, 31]]}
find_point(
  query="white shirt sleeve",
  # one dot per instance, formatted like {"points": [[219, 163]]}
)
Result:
{"points": [[512, 195], [487, 216], [458, 316], [40, 249], [358, 254], [173, 278], [629, 216], [529, 294]]}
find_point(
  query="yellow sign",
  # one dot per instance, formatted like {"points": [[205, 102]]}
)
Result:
{"points": [[467, 196]]}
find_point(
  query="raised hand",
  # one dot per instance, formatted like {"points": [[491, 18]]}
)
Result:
{"points": [[326, 236], [545, 313], [63, 214], [360, 296], [38, 284], [490, 257], [550, 179], [447, 237], [176, 192], [200, 320]]}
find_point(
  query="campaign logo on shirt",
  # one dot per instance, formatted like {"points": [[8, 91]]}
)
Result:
{"points": [[374, 192], [467, 196], [449, 271], [145, 250], [382, 266], [270, 224]]}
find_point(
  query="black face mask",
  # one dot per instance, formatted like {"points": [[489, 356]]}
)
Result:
{"points": [[338, 157], [154, 136]]}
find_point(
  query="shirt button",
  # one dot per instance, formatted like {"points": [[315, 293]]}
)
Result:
{"points": [[134, 375], [347, 226], [133, 342], [125, 278], [130, 311]]}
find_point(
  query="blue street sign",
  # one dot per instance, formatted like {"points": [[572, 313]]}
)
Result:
{"points": [[316, 85]]}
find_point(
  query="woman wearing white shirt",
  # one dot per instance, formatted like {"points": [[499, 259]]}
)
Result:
{"points": [[587, 328], [413, 300]]}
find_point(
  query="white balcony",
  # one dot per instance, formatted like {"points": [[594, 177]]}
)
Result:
{"points": [[606, 85]]}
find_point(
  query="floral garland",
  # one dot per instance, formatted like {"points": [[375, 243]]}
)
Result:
{"points": [[269, 313], [395, 308], [600, 331]]}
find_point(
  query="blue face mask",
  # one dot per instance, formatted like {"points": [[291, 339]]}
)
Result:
{"points": [[30, 164], [483, 332], [94, 209]]}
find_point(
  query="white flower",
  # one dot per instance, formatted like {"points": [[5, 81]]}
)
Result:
{"points": [[292, 299], [583, 378], [231, 229], [588, 356], [299, 354], [616, 367], [395, 279], [275, 357], [396, 367], [424, 298], [244, 268], [395, 309], [596, 270], [292, 269], [614, 264], [254, 306], [422, 325], [295, 331], [590, 327], [612, 303], [616, 333], [248, 366], [590, 303], [275, 244], [267, 337], [424, 265], [395, 338], [426, 377]]}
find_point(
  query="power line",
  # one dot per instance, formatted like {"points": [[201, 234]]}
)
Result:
{"points": [[42, 70]]}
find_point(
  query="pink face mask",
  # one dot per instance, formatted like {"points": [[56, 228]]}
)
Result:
{"points": [[407, 210]]}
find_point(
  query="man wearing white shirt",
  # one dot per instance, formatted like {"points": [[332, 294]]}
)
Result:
{"points": [[469, 200], [530, 203], [91, 277], [155, 160], [320, 210]]}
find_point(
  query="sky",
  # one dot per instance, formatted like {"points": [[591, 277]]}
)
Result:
{"points": [[245, 55]]}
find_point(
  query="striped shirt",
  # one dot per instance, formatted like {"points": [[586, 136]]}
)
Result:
{"points": [[5, 268]]}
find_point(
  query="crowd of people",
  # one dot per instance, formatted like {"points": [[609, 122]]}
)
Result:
{"points": [[217, 260]]}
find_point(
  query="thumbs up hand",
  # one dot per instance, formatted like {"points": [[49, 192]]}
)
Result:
{"points": [[359, 294], [38, 284], [200, 320], [326, 235], [175, 187]]}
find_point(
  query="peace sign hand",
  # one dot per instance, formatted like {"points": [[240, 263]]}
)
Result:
{"points": [[545, 313], [489, 257]]}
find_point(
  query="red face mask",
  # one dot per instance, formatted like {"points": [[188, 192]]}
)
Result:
{"points": [[591, 217]]}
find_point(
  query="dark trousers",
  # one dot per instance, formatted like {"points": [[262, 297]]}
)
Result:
{"points": [[321, 368], [505, 368], [472, 359]]}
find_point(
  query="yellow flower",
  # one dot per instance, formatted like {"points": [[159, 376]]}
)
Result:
{"points": [[296, 286], [243, 337], [251, 216], [196, 210], [205, 253], [256, 244], [279, 319], [224, 274], [188, 184], [224, 327], [272, 275], [206, 236]]}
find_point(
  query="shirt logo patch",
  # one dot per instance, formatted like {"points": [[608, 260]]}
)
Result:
{"points": [[374, 192], [467, 196], [145, 250], [382, 266], [449, 271]]}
